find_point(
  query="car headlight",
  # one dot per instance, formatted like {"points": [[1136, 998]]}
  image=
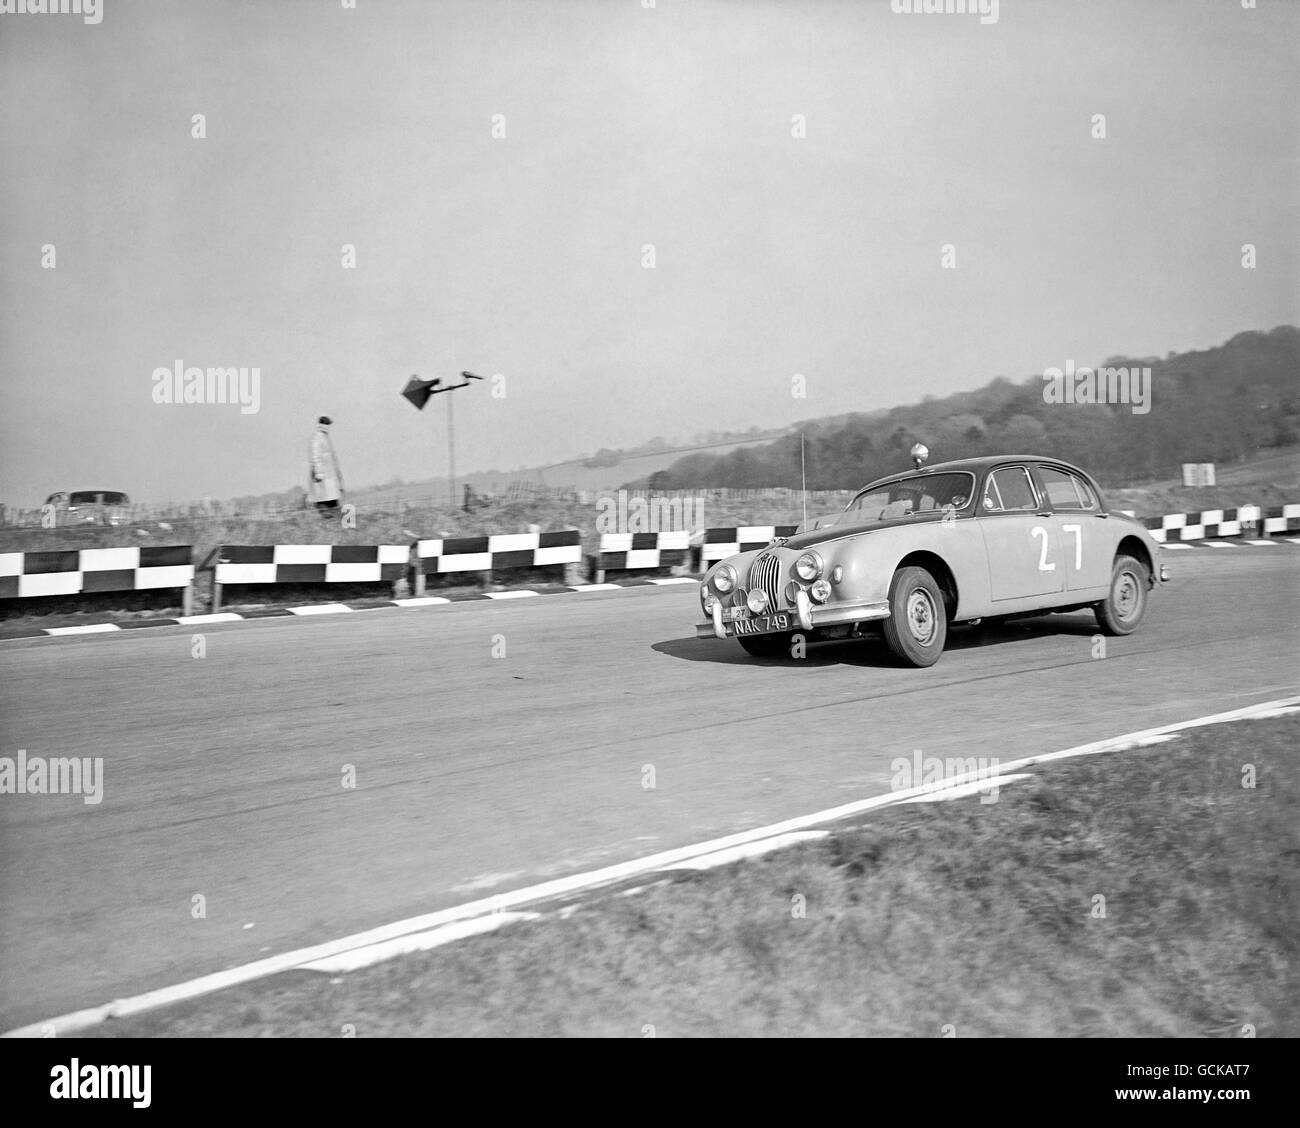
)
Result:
{"points": [[808, 566], [757, 600], [724, 579], [820, 591]]}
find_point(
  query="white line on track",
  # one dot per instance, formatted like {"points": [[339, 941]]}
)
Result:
{"points": [[378, 943], [319, 609]]}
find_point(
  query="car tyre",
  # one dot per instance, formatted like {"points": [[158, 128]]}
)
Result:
{"points": [[1122, 610], [917, 627], [766, 646]]}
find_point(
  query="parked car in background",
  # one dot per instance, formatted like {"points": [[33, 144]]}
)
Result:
{"points": [[90, 507], [916, 552]]}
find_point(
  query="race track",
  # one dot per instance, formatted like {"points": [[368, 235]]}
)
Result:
{"points": [[476, 774]]}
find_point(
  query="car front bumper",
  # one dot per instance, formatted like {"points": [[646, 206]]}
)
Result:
{"points": [[805, 616]]}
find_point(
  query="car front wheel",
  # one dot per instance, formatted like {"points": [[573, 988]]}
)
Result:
{"points": [[917, 626], [1121, 611]]}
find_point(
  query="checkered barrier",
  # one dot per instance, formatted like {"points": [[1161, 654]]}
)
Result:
{"points": [[79, 571], [306, 564], [1279, 519], [495, 553], [720, 543], [1207, 524], [626, 552]]}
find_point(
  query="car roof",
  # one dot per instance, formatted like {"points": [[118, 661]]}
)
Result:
{"points": [[975, 465]]}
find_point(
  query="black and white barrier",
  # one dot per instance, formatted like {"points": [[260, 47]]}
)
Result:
{"points": [[1207, 524], [26, 575], [1281, 519], [438, 557], [307, 564], [720, 543], [629, 552]]}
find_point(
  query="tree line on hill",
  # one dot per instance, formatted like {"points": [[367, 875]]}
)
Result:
{"points": [[1217, 405]]}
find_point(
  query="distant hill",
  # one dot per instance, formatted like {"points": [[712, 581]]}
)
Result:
{"points": [[1218, 405], [605, 470]]}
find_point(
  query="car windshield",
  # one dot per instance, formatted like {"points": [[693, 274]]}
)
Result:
{"points": [[96, 497], [925, 493]]}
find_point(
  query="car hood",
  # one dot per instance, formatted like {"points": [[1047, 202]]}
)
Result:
{"points": [[814, 537]]}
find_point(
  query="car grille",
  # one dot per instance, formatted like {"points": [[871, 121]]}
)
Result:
{"points": [[765, 573]]}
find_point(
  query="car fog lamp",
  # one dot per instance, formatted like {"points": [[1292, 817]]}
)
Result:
{"points": [[820, 591], [808, 566], [710, 601], [757, 600]]}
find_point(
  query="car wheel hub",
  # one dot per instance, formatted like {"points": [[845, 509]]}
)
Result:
{"points": [[1126, 596], [921, 617]]}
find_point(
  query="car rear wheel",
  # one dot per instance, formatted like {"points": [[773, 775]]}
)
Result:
{"points": [[766, 646], [1121, 611], [917, 626]]}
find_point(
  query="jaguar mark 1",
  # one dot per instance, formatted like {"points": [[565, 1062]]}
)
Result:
{"points": [[917, 552]]}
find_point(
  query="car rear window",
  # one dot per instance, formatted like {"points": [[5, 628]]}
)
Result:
{"points": [[1066, 491]]}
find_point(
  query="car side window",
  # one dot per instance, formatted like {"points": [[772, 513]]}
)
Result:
{"points": [[1009, 490], [1087, 495], [1066, 491]]}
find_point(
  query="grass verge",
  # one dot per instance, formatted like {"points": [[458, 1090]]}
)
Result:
{"points": [[982, 918]]}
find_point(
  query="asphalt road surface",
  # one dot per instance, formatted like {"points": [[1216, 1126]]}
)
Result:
{"points": [[477, 773]]}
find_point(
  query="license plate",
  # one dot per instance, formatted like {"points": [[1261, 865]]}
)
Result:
{"points": [[761, 624]]}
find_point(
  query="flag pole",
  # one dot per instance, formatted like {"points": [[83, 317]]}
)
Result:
{"points": [[803, 475]]}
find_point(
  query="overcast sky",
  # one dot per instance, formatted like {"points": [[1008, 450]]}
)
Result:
{"points": [[522, 255]]}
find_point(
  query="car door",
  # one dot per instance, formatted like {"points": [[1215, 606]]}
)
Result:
{"points": [[1086, 536], [1020, 537]]}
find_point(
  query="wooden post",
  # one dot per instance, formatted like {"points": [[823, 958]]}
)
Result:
{"points": [[187, 599], [216, 593]]}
